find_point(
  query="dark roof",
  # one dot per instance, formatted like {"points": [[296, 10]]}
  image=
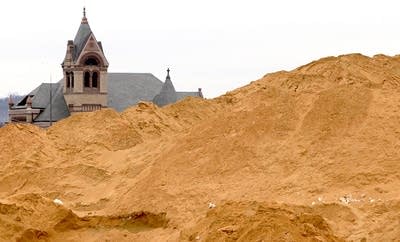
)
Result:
{"points": [[127, 89], [41, 100], [81, 38], [59, 106], [100, 45], [35, 90], [40, 96], [124, 90], [167, 94]]}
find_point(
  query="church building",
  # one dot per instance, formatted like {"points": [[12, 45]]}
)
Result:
{"points": [[88, 86]]}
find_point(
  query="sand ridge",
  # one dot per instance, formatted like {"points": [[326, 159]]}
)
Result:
{"points": [[306, 155]]}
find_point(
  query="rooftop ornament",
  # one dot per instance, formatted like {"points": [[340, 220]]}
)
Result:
{"points": [[168, 70], [84, 19]]}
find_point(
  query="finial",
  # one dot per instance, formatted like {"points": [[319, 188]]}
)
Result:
{"points": [[84, 19], [168, 70]]}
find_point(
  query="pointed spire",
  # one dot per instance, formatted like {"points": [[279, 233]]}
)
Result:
{"points": [[167, 94], [84, 19]]}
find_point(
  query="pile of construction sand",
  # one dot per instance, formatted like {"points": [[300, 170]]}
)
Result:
{"points": [[307, 155]]}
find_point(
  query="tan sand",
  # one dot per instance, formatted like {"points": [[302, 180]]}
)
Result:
{"points": [[307, 155]]}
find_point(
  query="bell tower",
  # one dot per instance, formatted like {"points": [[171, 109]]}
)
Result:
{"points": [[85, 71]]}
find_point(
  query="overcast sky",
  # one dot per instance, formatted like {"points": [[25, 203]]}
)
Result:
{"points": [[214, 44]]}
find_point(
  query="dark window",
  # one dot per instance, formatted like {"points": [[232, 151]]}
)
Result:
{"points": [[91, 62], [72, 79], [87, 79], [95, 80], [68, 80]]}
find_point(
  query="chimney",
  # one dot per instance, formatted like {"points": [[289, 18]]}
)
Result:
{"points": [[70, 46], [10, 102], [200, 93], [29, 102]]}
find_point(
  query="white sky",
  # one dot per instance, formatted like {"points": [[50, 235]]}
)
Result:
{"points": [[214, 44]]}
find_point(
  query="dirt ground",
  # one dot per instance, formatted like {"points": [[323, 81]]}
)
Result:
{"points": [[307, 155]]}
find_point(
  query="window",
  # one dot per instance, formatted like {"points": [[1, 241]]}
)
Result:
{"points": [[72, 79], [68, 80], [86, 79], [91, 61], [94, 80]]}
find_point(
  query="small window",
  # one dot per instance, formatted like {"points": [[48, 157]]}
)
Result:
{"points": [[72, 79], [95, 80], [87, 79], [68, 81]]}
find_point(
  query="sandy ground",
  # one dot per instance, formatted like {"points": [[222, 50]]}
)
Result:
{"points": [[307, 155]]}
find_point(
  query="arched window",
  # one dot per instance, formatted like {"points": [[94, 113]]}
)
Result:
{"points": [[91, 61], [68, 81], [86, 79], [72, 79], [95, 79]]}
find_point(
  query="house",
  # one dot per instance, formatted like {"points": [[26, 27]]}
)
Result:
{"points": [[88, 86]]}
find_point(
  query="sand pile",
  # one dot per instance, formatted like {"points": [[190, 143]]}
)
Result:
{"points": [[311, 154], [252, 221], [93, 131], [31, 217], [19, 142]]}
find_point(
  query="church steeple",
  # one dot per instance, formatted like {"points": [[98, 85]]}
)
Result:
{"points": [[167, 94], [85, 71], [84, 19]]}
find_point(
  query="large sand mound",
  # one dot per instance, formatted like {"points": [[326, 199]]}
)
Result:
{"points": [[311, 154]]}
